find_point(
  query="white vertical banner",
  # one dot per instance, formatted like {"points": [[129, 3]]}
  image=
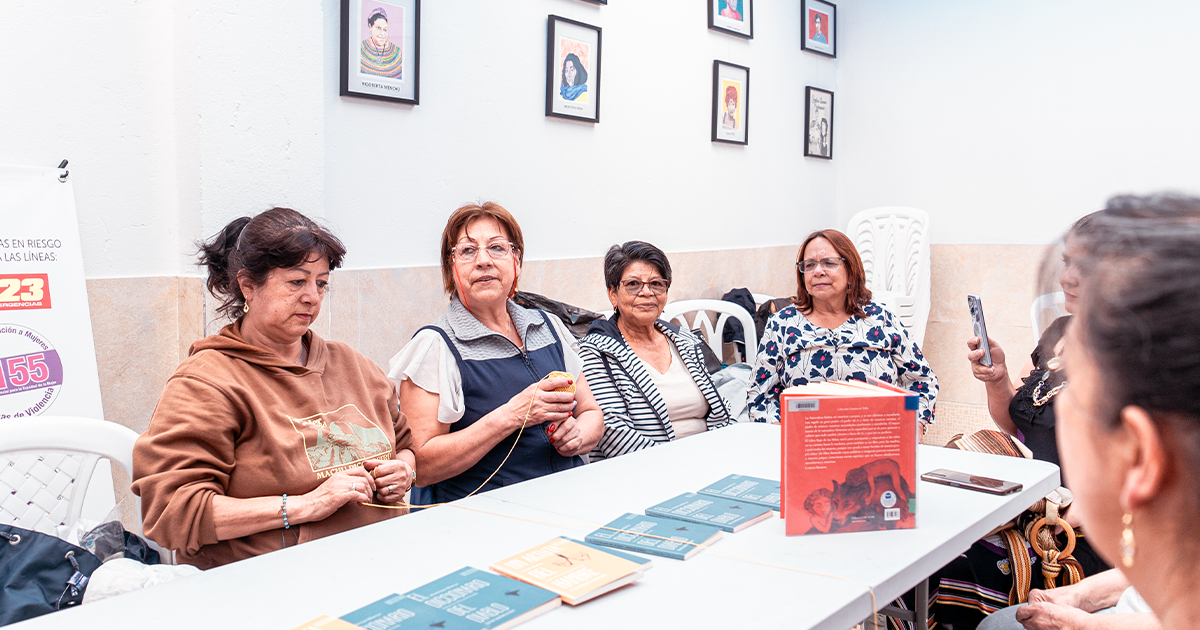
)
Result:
{"points": [[47, 355]]}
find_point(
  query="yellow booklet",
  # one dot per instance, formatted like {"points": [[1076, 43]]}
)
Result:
{"points": [[576, 571], [325, 622]]}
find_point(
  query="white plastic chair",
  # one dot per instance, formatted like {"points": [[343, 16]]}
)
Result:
{"points": [[761, 298], [893, 242], [676, 312], [1052, 302], [46, 464]]}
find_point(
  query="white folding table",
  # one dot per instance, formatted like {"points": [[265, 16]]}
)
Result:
{"points": [[338, 574]]}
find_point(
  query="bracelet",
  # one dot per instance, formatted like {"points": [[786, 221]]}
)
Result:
{"points": [[286, 525]]}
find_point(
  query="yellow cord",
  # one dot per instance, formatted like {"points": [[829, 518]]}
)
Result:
{"points": [[404, 505]]}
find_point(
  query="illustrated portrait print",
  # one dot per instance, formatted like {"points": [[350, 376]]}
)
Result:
{"points": [[573, 70], [818, 26], [819, 129], [731, 105], [731, 9], [381, 29]]}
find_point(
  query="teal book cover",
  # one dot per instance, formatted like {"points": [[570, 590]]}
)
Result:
{"points": [[756, 490], [730, 516], [654, 535], [466, 599], [645, 562]]}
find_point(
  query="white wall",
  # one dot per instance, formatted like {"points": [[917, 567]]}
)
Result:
{"points": [[89, 82], [648, 170], [1008, 120], [180, 116]]}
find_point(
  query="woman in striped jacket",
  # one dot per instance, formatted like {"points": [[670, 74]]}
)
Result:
{"points": [[647, 375]]}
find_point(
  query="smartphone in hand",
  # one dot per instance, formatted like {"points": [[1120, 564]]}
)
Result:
{"points": [[976, 307], [968, 481]]}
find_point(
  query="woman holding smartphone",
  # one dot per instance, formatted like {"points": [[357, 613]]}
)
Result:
{"points": [[1026, 410], [977, 583]]}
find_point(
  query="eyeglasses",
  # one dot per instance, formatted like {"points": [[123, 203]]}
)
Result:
{"points": [[634, 287], [496, 251], [828, 264]]}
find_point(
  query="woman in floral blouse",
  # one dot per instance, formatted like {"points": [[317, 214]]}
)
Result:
{"points": [[834, 332]]}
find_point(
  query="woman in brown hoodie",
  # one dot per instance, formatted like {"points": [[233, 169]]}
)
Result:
{"points": [[268, 435]]}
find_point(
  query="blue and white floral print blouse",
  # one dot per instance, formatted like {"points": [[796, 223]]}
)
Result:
{"points": [[795, 351]]}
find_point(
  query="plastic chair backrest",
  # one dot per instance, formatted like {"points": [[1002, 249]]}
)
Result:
{"points": [[46, 463], [676, 312], [893, 242], [761, 298], [1052, 302]]}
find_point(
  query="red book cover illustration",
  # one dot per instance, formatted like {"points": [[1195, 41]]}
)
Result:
{"points": [[849, 458]]}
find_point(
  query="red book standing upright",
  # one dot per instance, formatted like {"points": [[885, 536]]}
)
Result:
{"points": [[849, 458]]}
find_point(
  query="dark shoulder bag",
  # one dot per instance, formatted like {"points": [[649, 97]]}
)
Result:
{"points": [[41, 574]]}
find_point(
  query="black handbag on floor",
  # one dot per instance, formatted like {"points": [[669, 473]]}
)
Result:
{"points": [[41, 574]]}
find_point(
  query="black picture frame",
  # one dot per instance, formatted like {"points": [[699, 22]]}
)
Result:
{"points": [[354, 80], [727, 76], [743, 27], [563, 35], [817, 101], [809, 40], [596, 1]]}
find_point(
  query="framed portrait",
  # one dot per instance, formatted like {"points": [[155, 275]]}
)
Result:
{"points": [[735, 17], [572, 70], [818, 123], [820, 27], [381, 50], [731, 101]]}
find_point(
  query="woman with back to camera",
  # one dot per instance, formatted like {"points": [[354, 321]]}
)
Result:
{"points": [[267, 435], [648, 375], [835, 332], [1129, 424], [473, 383]]}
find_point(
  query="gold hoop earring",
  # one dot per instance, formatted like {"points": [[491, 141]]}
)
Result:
{"points": [[245, 307], [1128, 547]]}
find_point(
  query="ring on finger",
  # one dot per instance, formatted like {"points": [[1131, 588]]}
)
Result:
{"points": [[391, 488]]}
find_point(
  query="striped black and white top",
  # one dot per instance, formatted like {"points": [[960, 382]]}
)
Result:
{"points": [[635, 416]]}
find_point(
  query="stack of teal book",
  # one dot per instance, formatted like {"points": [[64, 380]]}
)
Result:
{"points": [[468, 599]]}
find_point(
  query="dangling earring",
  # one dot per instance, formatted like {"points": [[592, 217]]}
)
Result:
{"points": [[515, 278], [245, 307], [1127, 545]]}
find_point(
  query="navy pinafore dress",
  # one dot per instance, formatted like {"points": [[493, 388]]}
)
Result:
{"points": [[488, 384]]}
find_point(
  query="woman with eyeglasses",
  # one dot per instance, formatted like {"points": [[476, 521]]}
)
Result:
{"points": [[834, 332], [473, 383], [648, 375]]}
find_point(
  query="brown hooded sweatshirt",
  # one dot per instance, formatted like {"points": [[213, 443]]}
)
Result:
{"points": [[243, 422]]}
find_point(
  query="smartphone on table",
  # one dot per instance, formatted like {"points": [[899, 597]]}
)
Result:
{"points": [[968, 481], [980, 327]]}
